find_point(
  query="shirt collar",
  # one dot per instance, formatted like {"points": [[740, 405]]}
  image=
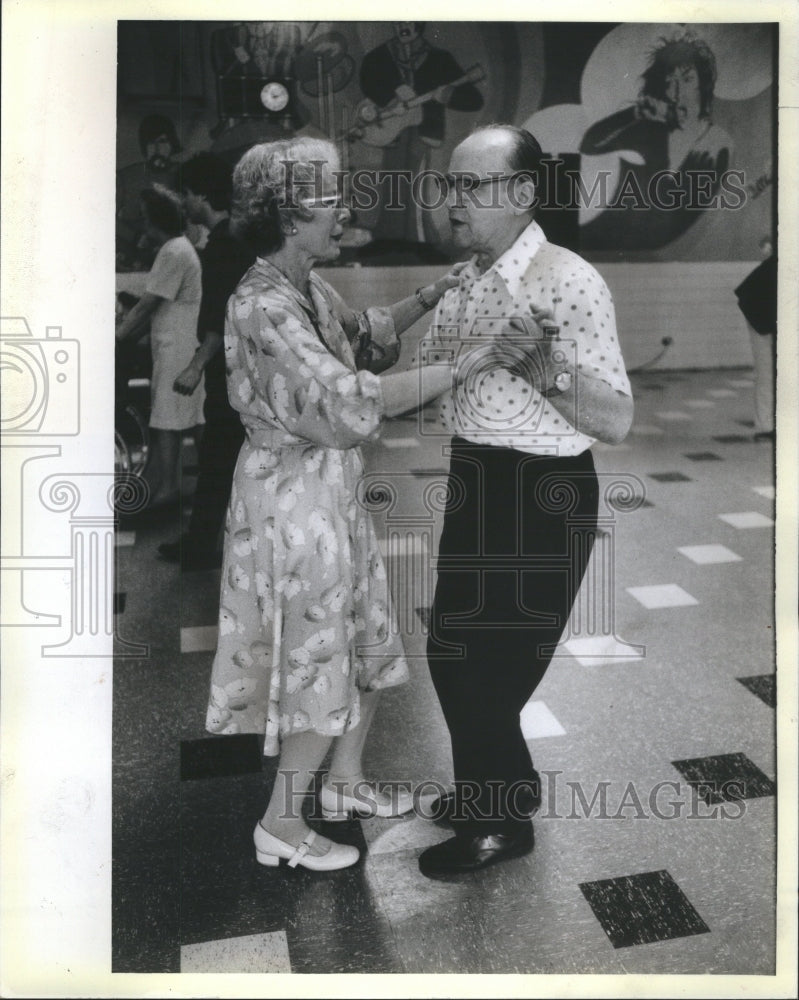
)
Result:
{"points": [[513, 264]]}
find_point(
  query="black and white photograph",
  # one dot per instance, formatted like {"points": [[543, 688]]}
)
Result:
{"points": [[399, 541]]}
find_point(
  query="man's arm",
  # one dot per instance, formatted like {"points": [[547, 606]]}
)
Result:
{"points": [[599, 410], [590, 403], [190, 377]]}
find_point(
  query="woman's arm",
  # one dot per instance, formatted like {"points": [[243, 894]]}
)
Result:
{"points": [[134, 325], [407, 311], [413, 388]]}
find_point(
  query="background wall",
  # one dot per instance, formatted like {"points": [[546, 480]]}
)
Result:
{"points": [[611, 101], [695, 306]]}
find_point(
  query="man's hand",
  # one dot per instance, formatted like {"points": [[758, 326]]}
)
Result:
{"points": [[522, 348], [443, 94], [405, 93], [653, 110], [188, 380]]}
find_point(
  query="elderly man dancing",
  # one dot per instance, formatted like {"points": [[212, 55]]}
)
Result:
{"points": [[550, 382]]}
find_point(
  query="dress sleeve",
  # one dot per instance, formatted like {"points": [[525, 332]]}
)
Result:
{"points": [[371, 333], [166, 275], [288, 378]]}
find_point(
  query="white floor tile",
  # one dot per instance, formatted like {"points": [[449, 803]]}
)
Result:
{"points": [[252, 953], [704, 555], [747, 519], [400, 442], [765, 491], [199, 639], [125, 538], [646, 429], [596, 650], [538, 722], [673, 415], [700, 404], [740, 383], [663, 595], [721, 393], [392, 835]]}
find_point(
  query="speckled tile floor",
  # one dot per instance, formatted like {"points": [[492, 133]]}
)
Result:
{"points": [[654, 732]]}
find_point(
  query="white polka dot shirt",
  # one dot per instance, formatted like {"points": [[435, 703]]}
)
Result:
{"points": [[494, 405]]}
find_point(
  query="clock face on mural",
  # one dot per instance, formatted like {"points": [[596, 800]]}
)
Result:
{"points": [[274, 96]]}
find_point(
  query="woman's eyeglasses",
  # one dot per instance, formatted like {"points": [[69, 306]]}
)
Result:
{"points": [[325, 201]]}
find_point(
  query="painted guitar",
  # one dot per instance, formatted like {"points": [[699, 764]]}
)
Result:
{"points": [[379, 126]]}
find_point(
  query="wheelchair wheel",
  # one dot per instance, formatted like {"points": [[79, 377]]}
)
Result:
{"points": [[132, 441], [122, 461]]}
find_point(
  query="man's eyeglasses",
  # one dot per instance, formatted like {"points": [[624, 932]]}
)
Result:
{"points": [[461, 184]]}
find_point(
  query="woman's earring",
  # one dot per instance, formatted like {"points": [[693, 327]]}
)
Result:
{"points": [[292, 231]]}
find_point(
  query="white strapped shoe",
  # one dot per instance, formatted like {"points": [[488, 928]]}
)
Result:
{"points": [[337, 807], [269, 851]]}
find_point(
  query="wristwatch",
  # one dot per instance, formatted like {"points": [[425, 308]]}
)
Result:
{"points": [[561, 383]]}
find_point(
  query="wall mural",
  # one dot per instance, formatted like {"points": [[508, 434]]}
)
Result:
{"points": [[660, 136]]}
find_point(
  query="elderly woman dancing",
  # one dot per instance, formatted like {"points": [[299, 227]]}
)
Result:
{"points": [[307, 635]]}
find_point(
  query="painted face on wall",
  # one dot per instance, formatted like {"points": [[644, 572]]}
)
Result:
{"points": [[159, 152], [683, 94], [406, 31]]}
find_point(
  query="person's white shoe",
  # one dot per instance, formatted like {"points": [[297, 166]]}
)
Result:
{"points": [[269, 850], [336, 806]]}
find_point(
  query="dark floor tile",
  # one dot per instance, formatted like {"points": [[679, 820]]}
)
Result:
{"points": [[145, 897], [703, 456], [331, 921], [652, 388], [670, 477], [732, 438], [220, 756], [745, 423], [640, 909], [144, 928], [764, 686], [119, 603], [725, 778]]}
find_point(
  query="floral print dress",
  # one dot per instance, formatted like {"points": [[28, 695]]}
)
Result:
{"points": [[306, 621]]}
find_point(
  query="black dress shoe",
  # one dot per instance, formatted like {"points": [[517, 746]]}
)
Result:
{"points": [[462, 855], [527, 801]]}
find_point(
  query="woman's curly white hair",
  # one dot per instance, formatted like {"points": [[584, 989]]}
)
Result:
{"points": [[269, 182]]}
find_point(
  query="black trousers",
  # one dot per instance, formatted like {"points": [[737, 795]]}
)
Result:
{"points": [[221, 441], [517, 536]]}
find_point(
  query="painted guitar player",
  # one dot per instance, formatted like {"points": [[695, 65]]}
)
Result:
{"points": [[409, 84]]}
